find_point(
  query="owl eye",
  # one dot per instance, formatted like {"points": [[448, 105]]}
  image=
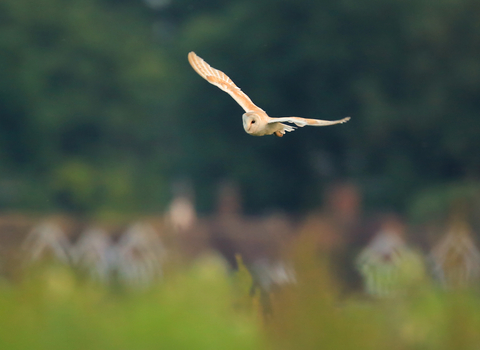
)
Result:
{"points": [[253, 121]]}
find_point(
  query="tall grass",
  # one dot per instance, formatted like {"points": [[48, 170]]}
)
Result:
{"points": [[203, 306], [54, 309]]}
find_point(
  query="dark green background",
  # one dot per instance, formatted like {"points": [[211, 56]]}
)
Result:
{"points": [[100, 111]]}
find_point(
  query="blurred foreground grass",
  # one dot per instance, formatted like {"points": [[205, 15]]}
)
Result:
{"points": [[54, 309], [202, 306]]}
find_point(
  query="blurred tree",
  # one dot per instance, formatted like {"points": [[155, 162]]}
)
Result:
{"points": [[84, 86], [406, 71], [83, 101]]}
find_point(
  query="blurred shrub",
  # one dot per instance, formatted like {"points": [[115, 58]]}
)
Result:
{"points": [[436, 202]]}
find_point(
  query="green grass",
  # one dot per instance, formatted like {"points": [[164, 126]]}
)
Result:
{"points": [[194, 309], [204, 307]]}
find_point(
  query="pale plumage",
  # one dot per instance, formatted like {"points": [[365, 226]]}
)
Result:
{"points": [[255, 121]]}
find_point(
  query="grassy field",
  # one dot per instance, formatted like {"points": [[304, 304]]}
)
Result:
{"points": [[203, 306]]}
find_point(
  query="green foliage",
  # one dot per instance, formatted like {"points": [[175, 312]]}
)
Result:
{"points": [[85, 83], [404, 71], [436, 203], [191, 310], [314, 314], [82, 96], [202, 307]]}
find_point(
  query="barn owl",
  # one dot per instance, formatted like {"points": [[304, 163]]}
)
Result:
{"points": [[256, 121]]}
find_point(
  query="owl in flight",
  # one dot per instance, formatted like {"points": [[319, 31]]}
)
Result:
{"points": [[255, 121]]}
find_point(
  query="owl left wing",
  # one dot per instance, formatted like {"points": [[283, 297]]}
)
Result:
{"points": [[301, 122], [222, 81]]}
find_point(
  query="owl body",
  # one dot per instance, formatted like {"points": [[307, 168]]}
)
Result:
{"points": [[256, 121], [256, 124]]}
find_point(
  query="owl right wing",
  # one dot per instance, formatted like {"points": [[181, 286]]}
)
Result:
{"points": [[221, 80]]}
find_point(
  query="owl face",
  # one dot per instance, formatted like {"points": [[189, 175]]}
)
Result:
{"points": [[251, 123]]}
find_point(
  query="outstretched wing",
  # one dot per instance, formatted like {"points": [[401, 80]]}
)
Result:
{"points": [[301, 122], [221, 80]]}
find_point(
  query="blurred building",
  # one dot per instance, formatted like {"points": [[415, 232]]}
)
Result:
{"points": [[94, 254], [388, 266], [456, 258], [140, 256], [47, 241]]}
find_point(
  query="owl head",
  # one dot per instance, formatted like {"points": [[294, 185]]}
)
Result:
{"points": [[251, 122]]}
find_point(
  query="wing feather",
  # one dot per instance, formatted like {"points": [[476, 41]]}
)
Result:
{"points": [[221, 80], [301, 122]]}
